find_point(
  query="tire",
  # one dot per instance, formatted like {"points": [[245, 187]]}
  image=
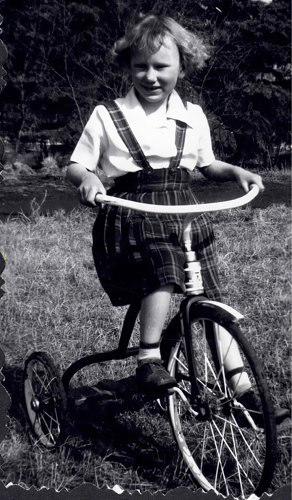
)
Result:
{"points": [[223, 448], [45, 400]]}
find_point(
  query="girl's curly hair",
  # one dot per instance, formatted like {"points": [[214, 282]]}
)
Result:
{"points": [[149, 34]]}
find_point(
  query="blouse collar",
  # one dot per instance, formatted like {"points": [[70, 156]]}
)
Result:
{"points": [[176, 110]]}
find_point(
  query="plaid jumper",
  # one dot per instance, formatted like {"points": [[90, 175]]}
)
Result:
{"points": [[137, 253]]}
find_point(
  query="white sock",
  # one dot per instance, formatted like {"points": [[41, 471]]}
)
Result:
{"points": [[147, 351], [229, 356], [239, 383]]}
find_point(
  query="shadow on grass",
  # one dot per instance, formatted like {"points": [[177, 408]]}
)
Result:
{"points": [[13, 383], [124, 425], [112, 422]]}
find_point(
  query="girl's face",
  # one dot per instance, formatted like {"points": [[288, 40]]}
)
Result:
{"points": [[155, 75]]}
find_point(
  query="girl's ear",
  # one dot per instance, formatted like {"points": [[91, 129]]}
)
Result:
{"points": [[181, 73]]}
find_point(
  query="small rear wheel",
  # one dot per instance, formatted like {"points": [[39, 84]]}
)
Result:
{"points": [[45, 399], [222, 442]]}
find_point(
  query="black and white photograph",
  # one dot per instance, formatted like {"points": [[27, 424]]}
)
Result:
{"points": [[145, 249]]}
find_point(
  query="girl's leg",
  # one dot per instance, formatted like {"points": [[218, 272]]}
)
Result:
{"points": [[240, 382], [151, 375], [154, 309], [229, 355]]}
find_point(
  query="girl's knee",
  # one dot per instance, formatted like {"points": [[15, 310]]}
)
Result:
{"points": [[163, 289]]}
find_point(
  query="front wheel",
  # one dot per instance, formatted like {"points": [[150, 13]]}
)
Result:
{"points": [[228, 447]]}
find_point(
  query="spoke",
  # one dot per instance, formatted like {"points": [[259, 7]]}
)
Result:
{"points": [[181, 363], [43, 382], [205, 362], [49, 437], [219, 464], [222, 372], [215, 384], [215, 376], [39, 431], [238, 463], [50, 382], [216, 381], [245, 441], [235, 425], [204, 384], [52, 418], [233, 392], [48, 399], [183, 381], [42, 418], [222, 360], [39, 379], [57, 419], [230, 450], [49, 430], [226, 420], [204, 446], [39, 440]]}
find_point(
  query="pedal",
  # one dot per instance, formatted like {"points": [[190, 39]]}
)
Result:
{"points": [[184, 399]]}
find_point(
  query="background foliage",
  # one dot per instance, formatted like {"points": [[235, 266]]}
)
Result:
{"points": [[59, 68]]}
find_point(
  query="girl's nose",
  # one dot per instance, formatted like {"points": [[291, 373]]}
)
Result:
{"points": [[150, 75]]}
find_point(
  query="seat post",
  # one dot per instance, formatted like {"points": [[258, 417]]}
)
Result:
{"points": [[193, 282]]}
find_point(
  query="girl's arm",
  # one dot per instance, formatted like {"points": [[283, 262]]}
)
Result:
{"points": [[221, 171], [87, 182]]}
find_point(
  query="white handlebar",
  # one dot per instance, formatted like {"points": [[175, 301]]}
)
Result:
{"points": [[179, 209]]}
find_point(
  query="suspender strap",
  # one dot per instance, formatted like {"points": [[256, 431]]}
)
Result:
{"points": [[180, 135], [135, 150], [126, 134]]}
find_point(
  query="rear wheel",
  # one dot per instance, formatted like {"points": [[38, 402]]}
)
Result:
{"points": [[227, 447], [45, 399]]}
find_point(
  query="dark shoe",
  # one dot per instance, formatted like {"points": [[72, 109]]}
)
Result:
{"points": [[253, 405], [152, 377]]}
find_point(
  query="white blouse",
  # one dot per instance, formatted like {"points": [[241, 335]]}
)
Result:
{"points": [[100, 144]]}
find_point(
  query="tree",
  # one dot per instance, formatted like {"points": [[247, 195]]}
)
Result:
{"points": [[59, 68], [247, 83]]}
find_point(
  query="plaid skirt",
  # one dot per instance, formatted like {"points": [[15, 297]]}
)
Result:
{"points": [[137, 253]]}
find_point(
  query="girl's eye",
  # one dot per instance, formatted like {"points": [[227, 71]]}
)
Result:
{"points": [[145, 67]]}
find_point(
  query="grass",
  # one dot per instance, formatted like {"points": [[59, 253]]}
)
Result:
{"points": [[54, 302]]}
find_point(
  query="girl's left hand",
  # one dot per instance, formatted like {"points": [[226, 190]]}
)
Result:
{"points": [[245, 179]]}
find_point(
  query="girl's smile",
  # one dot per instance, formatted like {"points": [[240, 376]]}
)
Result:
{"points": [[155, 75]]}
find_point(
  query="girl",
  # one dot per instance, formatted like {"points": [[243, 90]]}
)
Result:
{"points": [[149, 142]]}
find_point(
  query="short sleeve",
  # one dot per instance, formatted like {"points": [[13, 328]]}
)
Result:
{"points": [[90, 145], [205, 151]]}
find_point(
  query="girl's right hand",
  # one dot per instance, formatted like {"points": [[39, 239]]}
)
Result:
{"points": [[87, 183], [90, 186]]}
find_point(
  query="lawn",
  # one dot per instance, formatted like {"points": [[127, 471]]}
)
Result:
{"points": [[53, 302]]}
